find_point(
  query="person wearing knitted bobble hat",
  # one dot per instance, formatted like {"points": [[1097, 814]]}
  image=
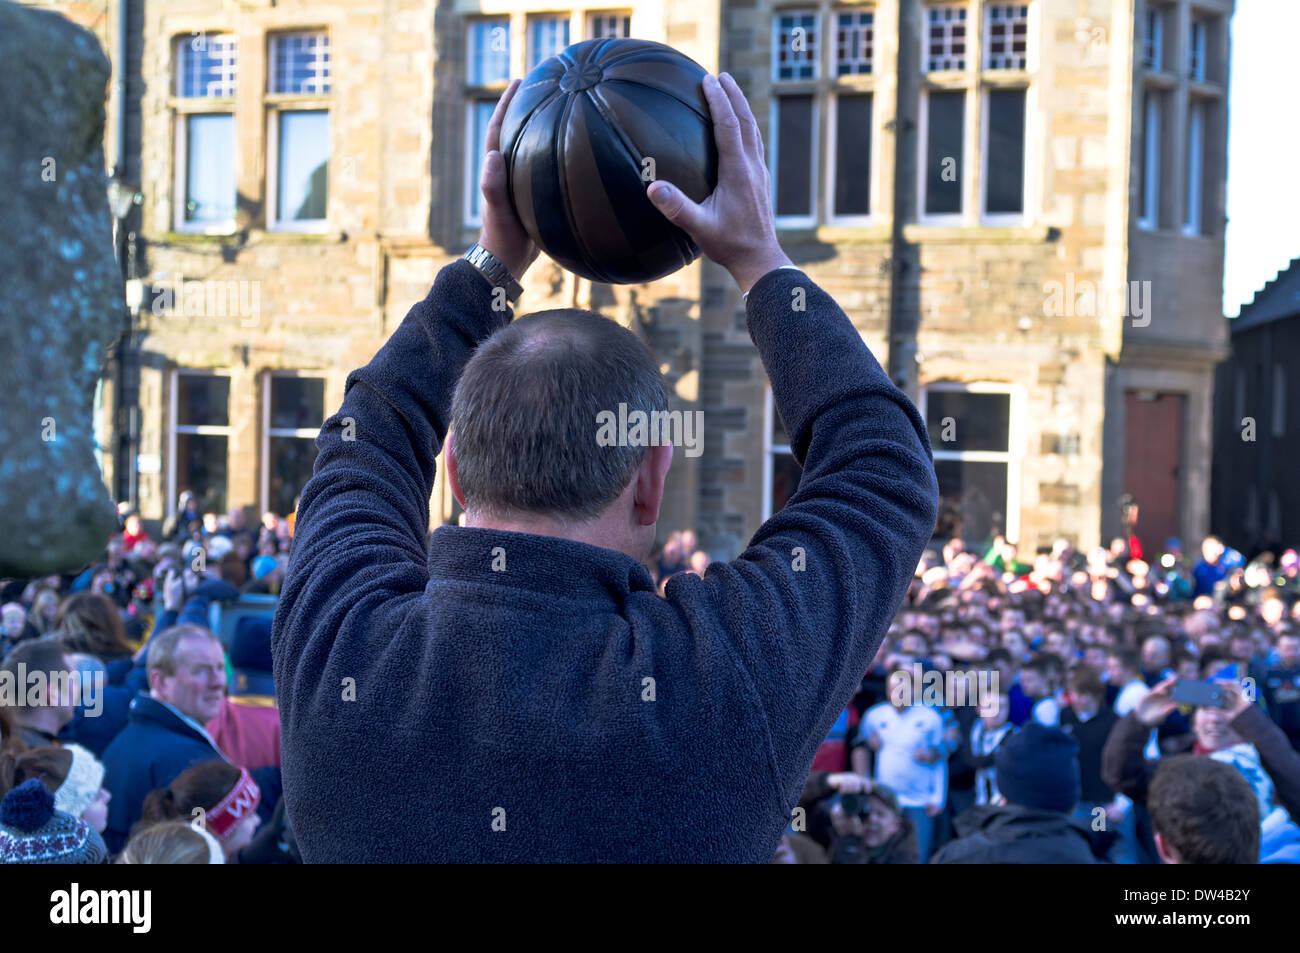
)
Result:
{"points": [[1038, 786], [71, 773], [33, 832]]}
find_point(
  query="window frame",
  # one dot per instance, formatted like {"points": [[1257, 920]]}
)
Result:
{"points": [[1277, 424], [174, 428], [1013, 456], [814, 158], [923, 139], [472, 81], [1194, 180], [589, 16], [829, 216], [818, 53], [297, 433], [1154, 13], [770, 450], [275, 105], [1026, 158], [1198, 28], [183, 108], [1152, 158], [539, 16]]}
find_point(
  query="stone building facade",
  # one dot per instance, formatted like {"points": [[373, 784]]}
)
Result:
{"points": [[980, 184]]}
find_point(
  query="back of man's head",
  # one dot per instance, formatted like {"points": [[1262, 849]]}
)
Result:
{"points": [[38, 673], [525, 415], [1038, 768], [1203, 812]]}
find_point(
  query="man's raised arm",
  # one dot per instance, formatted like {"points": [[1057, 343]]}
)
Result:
{"points": [[362, 525], [807, 604]]}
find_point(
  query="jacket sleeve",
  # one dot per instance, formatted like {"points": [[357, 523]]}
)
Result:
{"points": [[805, 607], [374, 474], [1124, 765], [1277, 756]]}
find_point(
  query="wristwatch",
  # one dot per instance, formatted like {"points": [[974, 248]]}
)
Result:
{"points": [[494, 270]]}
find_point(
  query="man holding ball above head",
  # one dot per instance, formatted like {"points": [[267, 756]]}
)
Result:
{"points": [[515, 690]]}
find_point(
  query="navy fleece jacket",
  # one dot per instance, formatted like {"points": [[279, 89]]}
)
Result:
{"points": [[433, 709]]}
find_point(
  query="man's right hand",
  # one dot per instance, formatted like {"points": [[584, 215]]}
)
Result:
{"points": [[734, 226], [1157, 704]]}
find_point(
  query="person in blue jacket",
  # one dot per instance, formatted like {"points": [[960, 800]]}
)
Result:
{"points": [[164, 734]]}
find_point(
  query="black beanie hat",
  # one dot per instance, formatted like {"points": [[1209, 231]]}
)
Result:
{"points": [[1038, 767]]}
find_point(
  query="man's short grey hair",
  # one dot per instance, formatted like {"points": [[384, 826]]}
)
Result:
{"points": [[525, 414], [163, 646]]}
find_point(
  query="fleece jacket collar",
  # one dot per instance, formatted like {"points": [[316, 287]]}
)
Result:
{"points": [[550, 566]]}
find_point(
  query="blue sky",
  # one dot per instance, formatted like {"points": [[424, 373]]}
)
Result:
{"points": [[1263, 148]]}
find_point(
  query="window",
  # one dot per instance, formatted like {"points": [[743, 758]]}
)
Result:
{"points": [[293, 411], [851, 173], [795, 45], [479, 113], [200, 432], [1006, 35], [1196, 52], [1279, 399], [299, 131], [1153, 39], [547, 36], [793, 155], [1150, 204], [854, 42], [945, 38], [941, 179], [300, 63], [1004, 152], [971, 433], [609, 26], [781, 472], [1195, 169], [487, 54], [206, 71]]}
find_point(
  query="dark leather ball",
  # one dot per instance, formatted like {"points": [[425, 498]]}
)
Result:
{"points": [[586, 132]]}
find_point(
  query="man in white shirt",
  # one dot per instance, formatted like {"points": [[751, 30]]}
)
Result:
{"points": [[1122, 672], [907, 738]]}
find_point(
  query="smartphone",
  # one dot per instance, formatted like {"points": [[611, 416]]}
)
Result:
{"points": [[1201, 694]]}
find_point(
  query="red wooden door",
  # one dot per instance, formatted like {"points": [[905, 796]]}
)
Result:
{"points": [[1153, 446]]}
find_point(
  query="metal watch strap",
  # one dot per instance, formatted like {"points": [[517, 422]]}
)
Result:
{"points": [[494, 270]]}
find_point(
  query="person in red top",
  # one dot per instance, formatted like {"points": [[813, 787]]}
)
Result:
{"points": [[247, 728], [133, 533]]}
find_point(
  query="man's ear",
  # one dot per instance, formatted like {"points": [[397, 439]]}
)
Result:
{"points": [[453, 476], [1165, 851], [650, 479]]}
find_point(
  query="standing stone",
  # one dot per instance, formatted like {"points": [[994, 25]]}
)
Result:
{"points": [[60, 292]]}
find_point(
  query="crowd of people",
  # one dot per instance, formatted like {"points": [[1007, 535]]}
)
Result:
{"points": [[1055, 724], [128, 729], [1079, 708]]}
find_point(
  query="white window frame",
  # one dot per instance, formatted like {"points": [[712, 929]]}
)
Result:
{"points": [[1195, 184], [273, 221], [814, 163], [593, 15], [832, 44], [1013, 456], [986, 41], [818, 54], [469, 219], [471, 64], [1154, 39], [203, 430], [180, 175], [1028, 159], [769, 451], [832, 171], [533, 19], [268, 431], [926, 7], [196, 106], [923, 138], [1152, 122]]}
